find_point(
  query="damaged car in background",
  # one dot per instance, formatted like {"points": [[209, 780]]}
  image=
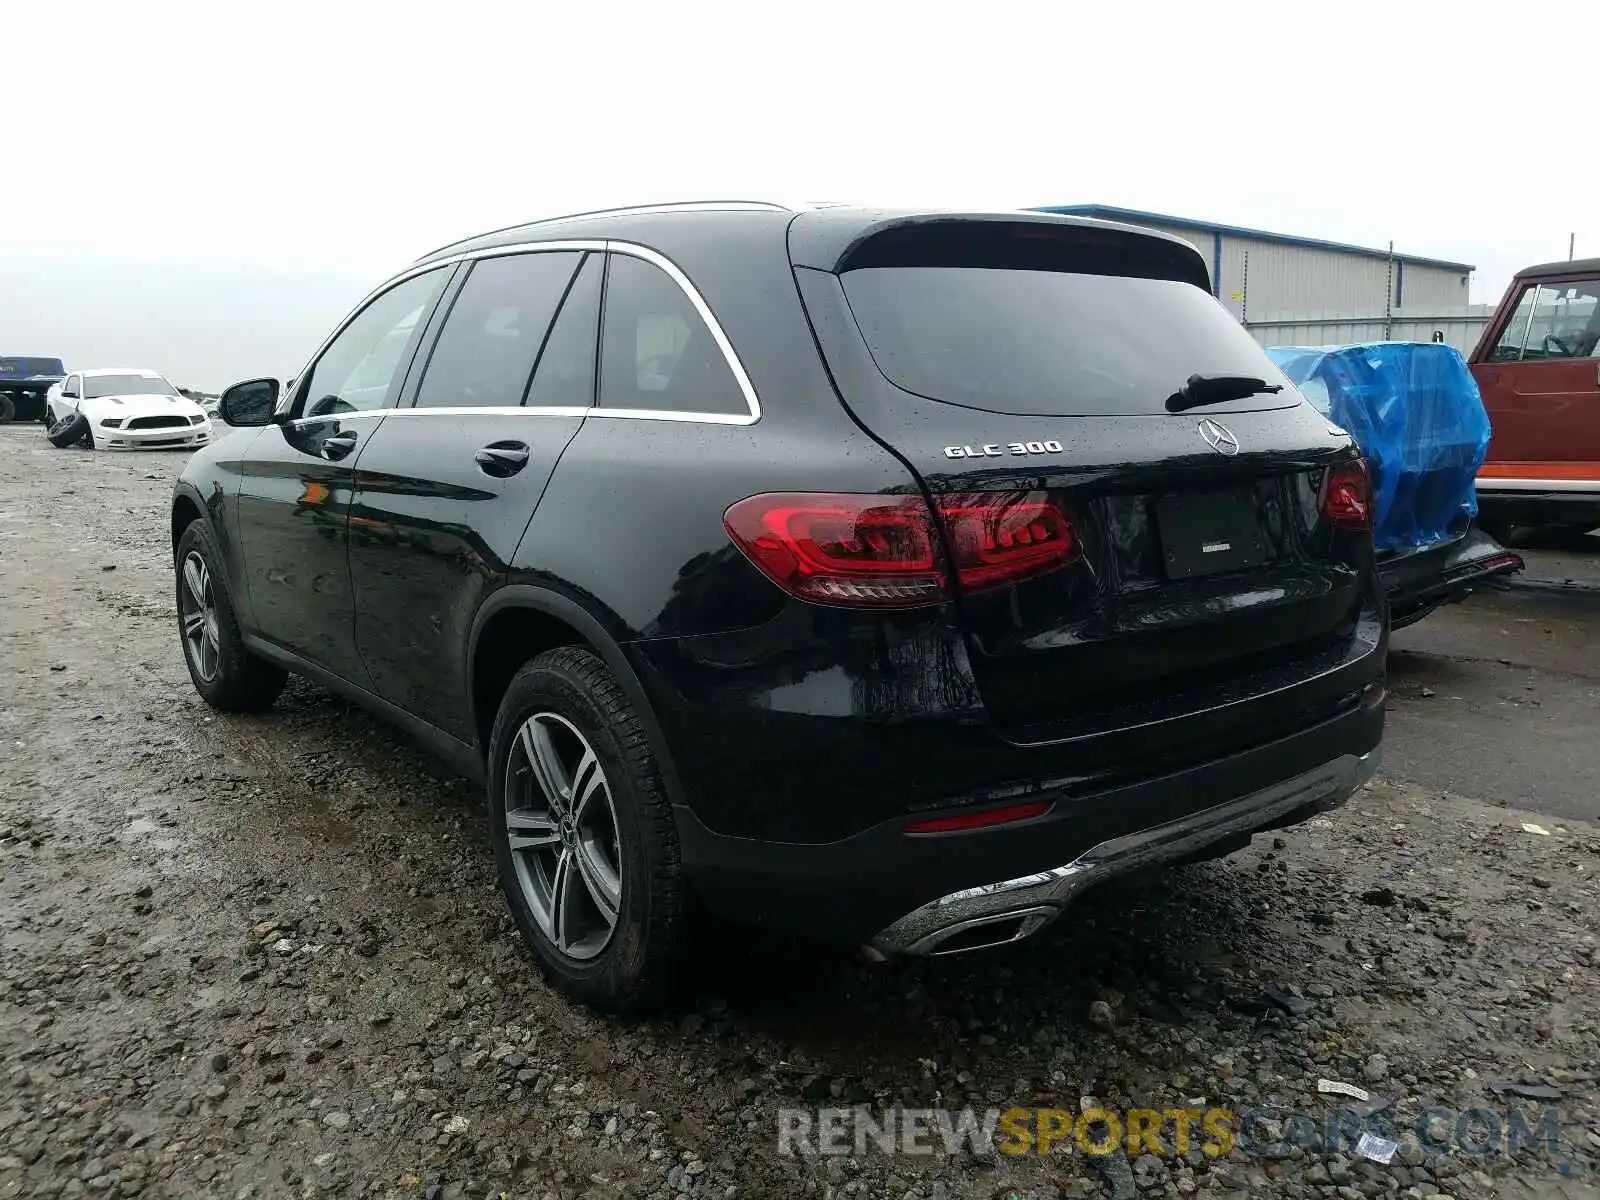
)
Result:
{"points": [[24, 382], [1415, 411], [123, 408]]}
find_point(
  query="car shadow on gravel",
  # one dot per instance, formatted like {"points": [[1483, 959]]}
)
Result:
{"points": [[1153, 940]]}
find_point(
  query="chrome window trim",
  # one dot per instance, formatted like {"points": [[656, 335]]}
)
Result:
{"points": [[626, 414], [354, 415], [605, 246], [496, 410]]}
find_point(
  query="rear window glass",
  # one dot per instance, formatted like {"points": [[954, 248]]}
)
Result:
{"points": [[22, 368], [1050, 343]]}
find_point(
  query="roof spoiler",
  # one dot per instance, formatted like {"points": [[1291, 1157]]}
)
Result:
{"points": [[837, 240]]}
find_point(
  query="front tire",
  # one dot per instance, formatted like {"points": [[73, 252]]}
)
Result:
{"points": [[69, 430], [583, 834], [8, 409], [227, 676]]}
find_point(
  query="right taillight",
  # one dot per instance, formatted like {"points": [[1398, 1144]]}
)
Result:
{"points": [[1347, 495], [885, 551]]}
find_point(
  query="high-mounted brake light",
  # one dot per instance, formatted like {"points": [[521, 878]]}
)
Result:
{"points": [[886, 552], [1347, 495]]}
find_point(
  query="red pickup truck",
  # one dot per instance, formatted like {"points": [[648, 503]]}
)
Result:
{"points": [[1538, 368]]}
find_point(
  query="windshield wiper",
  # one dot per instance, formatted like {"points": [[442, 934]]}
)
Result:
{"points": [[1200, 390]]}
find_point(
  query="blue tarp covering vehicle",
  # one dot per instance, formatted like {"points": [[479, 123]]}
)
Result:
{"points": [[1414, 409]]}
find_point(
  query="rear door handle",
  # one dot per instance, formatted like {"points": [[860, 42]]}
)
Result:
{"points": [[337, 445], [502, 459]]}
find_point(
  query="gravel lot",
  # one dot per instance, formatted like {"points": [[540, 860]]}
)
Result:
{"points": [[267, 957]]}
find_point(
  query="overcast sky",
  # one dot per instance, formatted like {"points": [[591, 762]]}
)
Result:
{"points": [[205, 190]]}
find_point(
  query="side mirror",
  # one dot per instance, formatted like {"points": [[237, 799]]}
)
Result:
{"points": [[250, 403]]}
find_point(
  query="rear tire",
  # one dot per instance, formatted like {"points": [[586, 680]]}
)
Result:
{"points": [[607, 928], [8, 410], [228, 677], [69, 431]]}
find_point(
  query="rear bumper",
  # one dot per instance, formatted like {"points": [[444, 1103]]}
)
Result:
{"points": [[1572, 504], [868, 888], [1417, 581], [997, 913]]}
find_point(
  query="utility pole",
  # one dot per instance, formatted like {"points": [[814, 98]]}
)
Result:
{"points": [[1388, 295], [1572, 240]]}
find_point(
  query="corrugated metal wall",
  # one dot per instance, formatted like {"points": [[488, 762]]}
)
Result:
{"points": [[1460, 329], [1263, 280], [1272, 281]]}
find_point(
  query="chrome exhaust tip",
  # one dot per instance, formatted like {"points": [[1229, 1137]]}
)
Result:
{"points": [[977, 933]]}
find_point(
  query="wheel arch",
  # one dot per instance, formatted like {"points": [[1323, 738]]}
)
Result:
{"points": [[520, 621], [186, 510]]}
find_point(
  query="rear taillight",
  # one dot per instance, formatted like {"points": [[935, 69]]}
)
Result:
{"points": [[885, 551], [1347, 495]]}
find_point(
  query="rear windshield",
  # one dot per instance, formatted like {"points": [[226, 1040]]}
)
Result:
{"points": [[1049, 343], [22, 368], [126, 385]]}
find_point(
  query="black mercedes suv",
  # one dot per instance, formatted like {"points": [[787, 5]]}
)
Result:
{"points": [[884, 576]]}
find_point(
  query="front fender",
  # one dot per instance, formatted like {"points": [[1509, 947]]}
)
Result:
{"points": [[215, 511]]}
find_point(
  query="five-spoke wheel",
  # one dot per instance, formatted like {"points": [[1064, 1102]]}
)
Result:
{"points": [[561, 826], [226, 673], [584, 834], [197, 610]]}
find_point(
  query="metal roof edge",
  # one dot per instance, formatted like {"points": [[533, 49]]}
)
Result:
{"points": [[1111, 213], [1569, 267]]}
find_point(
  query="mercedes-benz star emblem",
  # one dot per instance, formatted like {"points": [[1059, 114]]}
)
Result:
{"points": [[1219, 437]]}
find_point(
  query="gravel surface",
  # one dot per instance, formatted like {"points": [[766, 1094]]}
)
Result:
{"points": [[267, 957]]}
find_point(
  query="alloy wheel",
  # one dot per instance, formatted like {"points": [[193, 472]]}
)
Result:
{"points": [[561, 827], [198, 613]]}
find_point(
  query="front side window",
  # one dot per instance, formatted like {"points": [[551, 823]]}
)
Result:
{"points": [[96, 386], [1552, 320], [360, 368], [656, 353], [486, 352], [70, 387]]}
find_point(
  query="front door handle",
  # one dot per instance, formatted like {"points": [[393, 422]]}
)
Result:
{"points": [[502, 459], [337, 445]]}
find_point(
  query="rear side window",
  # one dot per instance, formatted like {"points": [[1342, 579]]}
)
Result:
{"points": [[485, 353], [1050, 343], [656, 353], [564, 377]]}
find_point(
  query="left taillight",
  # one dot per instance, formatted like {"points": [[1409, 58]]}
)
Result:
{"points": [[1347, 495], [886, 552]]}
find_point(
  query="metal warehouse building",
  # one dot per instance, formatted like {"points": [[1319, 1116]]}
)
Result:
{"points": [[1297, 291]]}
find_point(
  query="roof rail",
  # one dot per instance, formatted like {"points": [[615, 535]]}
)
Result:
{"points": [[632, 209]]}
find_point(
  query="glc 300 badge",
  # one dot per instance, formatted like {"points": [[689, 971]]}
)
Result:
{"points": [[1001, 450]]}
